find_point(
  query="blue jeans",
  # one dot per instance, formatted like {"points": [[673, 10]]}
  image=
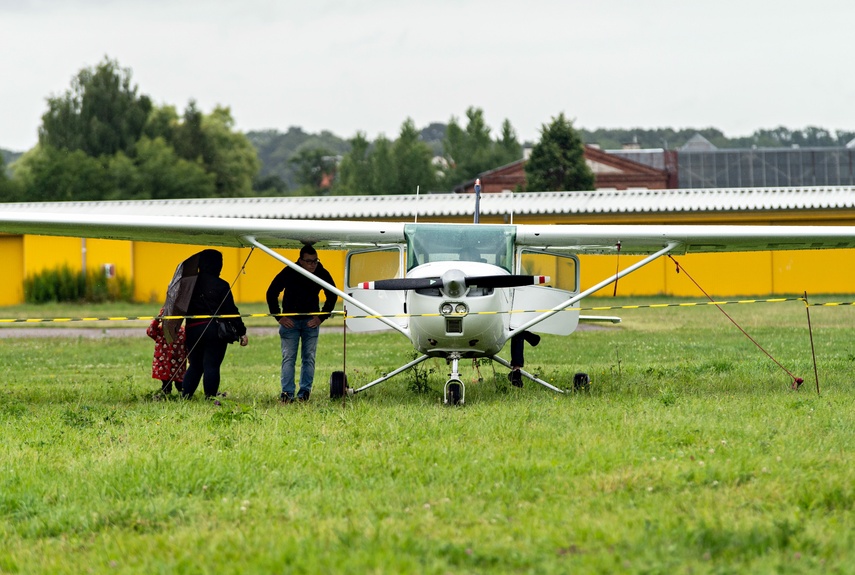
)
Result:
{"points": [[291, 339]]}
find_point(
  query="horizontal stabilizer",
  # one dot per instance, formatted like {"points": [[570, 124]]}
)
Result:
{"points": [[603, 318]]}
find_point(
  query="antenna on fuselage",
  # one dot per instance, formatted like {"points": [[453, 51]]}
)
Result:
{"points": [[477, 200]]}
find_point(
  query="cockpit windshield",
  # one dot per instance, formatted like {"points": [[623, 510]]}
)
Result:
{"points": [[492, 244]]}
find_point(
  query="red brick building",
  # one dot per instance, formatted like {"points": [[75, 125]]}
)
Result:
{"points": [[610, 172]]}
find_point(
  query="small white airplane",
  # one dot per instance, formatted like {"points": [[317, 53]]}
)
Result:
{"points": [[454, 290]]}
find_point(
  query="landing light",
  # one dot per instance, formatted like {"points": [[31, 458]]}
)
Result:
{"points": [[449, 308]]}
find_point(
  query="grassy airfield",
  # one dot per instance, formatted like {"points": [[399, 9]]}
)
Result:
{"points": [[690, 454]]}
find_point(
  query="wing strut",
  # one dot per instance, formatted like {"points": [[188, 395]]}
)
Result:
{"points": [[531, 376], [325, 285], [591, 290]]}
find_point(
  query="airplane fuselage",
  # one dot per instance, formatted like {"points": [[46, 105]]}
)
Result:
{"points": [[473, 324]]}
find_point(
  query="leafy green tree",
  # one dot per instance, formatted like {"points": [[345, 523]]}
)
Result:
{"points": [[100, 115], [313, 167], [844, 137], [156, 172], [508, 148], [190, 140], [471, 151], [455, 149], [231, 157], [479, 145], [413, 160], [384, 170], [163, 122], [50, 174], [141, 151], [354, 173], [269, 186], [557, 162], [433, 135], [275, 150], [210, 142], [10, 189], [468, 151]]}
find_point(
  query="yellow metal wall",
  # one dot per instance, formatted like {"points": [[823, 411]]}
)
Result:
{"points": [[731, 274], [151, 266], [12, 256], [154, 265], [44, 252]]}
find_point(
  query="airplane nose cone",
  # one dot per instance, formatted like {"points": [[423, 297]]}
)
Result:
{"points": [[453, 284]]}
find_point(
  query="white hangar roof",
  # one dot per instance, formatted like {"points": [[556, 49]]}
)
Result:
{"points": [[602, 202]]}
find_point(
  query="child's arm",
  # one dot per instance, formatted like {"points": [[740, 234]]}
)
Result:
{"points": [[155, 329]]}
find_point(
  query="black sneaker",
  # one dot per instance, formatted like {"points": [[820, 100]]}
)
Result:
{"points": [[302, 396], [285, 397], [516, 378]]}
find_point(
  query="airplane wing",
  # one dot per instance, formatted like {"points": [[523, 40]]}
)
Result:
{"points": [[647, 239], [340, 234], [207, 231]]}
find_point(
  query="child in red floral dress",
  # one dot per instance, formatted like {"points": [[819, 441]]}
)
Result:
{"points": [[170, 359]]}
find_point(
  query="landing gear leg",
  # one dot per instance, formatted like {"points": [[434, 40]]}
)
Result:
{"points": [[454, 391]]}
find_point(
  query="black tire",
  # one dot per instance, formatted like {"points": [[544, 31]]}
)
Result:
{"points": [[581, 382], [453, 394], [338, 384]]}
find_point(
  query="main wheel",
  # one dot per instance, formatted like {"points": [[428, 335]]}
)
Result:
{"points": [[338, 384], [581, 382]]}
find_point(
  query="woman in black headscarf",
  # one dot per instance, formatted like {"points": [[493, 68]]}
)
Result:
{"points": [[212, 295]]}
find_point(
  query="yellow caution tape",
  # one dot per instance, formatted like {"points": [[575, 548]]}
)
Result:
{"points": [[596, 308]]}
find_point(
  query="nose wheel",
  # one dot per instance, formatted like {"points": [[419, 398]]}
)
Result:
{"points": [[454, 391]]}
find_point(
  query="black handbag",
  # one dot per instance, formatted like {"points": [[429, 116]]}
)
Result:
{"points": [[227, 331]]}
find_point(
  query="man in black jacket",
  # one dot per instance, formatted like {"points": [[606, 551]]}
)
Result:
{"points": [[300, 297]]}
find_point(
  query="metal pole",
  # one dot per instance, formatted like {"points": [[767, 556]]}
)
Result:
{"points": [[477, 200]]}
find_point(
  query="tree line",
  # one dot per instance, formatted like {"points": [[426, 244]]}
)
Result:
{"points": [[780, 137], [103, 140]]}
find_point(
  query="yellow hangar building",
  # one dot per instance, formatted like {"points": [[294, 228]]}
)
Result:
{"points": [[150, 265]]}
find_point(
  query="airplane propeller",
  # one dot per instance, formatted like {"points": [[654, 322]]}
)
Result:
{"points": [[453, 278], [402, 284], [506, 281]]}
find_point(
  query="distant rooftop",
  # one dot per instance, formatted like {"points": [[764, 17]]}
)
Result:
{"points": [[408, 207], [697, 143]]}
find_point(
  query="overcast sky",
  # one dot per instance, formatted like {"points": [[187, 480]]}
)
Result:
{"points": [[344, 66]]}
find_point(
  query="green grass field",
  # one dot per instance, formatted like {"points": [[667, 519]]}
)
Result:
{"points": [[690, 454]]}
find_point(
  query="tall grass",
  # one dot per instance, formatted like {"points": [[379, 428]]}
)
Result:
{"points": [[63, 285], [690, 454]]}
